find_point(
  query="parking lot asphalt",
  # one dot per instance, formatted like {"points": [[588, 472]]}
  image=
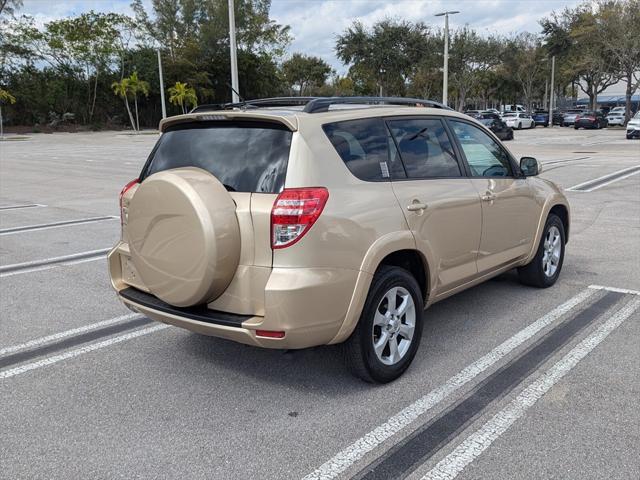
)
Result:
{"points": [[510, 382]]}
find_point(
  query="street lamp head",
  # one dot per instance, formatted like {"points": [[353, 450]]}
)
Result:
{"points": [[442, 14]]}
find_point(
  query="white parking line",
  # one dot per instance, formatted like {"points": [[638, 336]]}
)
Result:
{"points": [[15, 207], [52, 262], [354, 452], [476, 443], [48, 226], [79, 351], [67, 333], [614, 289], [578, 188]]}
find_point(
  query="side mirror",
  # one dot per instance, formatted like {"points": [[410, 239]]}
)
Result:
{"points": [[529, 166]]}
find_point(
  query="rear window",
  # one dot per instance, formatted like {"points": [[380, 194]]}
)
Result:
{"points": [[364, 146], [244, 156]]}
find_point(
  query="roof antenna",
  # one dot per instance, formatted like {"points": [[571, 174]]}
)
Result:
{"points": [[242, 100]]}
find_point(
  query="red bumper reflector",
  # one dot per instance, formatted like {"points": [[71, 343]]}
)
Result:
{"points": [[269, 334]]}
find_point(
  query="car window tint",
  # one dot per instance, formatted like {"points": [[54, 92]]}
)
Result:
{"points": [[244, 156], [484, 155], [363, 146], [425, 148]]}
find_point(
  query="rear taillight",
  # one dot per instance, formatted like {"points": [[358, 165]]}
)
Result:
{"points": [[294, 212], [123, 211]]}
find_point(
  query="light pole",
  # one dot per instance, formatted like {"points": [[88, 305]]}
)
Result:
{"points": [[234, 58], [553, 92], [445, 68], [164, 108]]}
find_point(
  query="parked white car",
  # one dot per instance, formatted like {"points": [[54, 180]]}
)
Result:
{"points": [[616, 110], [633, 127], [518, 121], [615, 118]]}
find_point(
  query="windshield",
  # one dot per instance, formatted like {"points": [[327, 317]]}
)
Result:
{"points": [[509, 115], [244, 156]]}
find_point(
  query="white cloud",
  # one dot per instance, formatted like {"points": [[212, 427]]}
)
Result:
{"points": [[315, 24]]}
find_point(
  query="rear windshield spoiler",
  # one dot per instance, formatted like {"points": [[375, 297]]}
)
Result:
{"points": [[289, 121]]}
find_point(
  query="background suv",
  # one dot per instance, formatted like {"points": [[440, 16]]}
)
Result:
{"points": [[286, 223]]}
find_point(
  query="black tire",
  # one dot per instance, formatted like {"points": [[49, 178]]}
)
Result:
{"points": [[533, 274], [576, 127], [519, 126], [359, 354]]}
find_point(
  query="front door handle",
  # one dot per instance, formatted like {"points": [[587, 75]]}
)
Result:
{"points": [[489, 196], [416, 207]]}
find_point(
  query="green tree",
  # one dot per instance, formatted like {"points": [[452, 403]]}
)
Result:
{"points": [[621, 24], [581, 36], [469, 58], [525, 58], [137, 87], [384, 56], [183, 95], [303, 73], [123, 90], [5, 97]]}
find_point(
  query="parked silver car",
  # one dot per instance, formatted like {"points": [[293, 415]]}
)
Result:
{"points": [[569, 117]]}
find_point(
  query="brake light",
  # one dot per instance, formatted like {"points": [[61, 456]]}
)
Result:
{"points": [[294, 212], [123, 211]]}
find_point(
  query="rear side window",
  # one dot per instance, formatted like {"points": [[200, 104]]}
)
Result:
{"points": [[425, 148], [363, 146], [244, 156]]}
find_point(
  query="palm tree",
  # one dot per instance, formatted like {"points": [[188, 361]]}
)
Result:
{"points": [[122, 90], [5, 97], [137, 86], [183, 95]]}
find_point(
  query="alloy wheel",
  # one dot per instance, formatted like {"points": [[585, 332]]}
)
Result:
{"points": [[552, 251], [394, 325]]}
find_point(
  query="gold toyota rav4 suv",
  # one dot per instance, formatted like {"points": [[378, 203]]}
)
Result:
{"points": [[291, 223]]}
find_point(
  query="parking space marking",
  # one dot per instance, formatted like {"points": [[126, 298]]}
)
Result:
{"points": [[69, 342], [67, 333], [476, 443], [48, 263], [358, 449], [404, 457], [15, 207], [614, 289], [47, 226], [79, 351], [597, 183]]}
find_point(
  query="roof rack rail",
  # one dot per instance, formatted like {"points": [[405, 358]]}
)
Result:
{"points": [[260, 102], [322, 104], [319, 104]]}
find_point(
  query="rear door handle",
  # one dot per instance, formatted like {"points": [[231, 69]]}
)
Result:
{"points": [[415, 207]]}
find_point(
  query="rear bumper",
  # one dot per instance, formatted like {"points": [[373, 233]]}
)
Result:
{"points": [[308, 304]]}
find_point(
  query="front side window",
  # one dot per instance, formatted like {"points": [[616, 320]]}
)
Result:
{"points": [[363, 145], [425, 148], [484, 155]]}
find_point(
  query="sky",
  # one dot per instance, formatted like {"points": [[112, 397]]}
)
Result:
{"points": [[316, 23]]}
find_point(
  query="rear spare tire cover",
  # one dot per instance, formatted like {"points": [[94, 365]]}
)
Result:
{"points": [[184, 236]]}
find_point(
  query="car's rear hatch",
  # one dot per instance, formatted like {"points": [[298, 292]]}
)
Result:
{"points": [[249, 155]]}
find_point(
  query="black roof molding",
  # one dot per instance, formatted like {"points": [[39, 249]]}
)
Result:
{"points": [[319, 104]]}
